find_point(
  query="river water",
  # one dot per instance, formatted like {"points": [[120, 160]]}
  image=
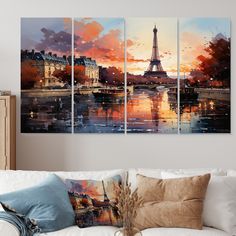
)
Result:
{"points": [[94, 115], [46, 114], [148, 111], [151, 112], [205, 116]]}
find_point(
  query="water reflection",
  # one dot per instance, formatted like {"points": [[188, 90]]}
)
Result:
{"points": [[148, 111], [98, 115], [205, 116], [46, 114], [151, 112]]}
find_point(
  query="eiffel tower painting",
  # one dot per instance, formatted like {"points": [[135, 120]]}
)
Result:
{"points": [[155, 68]]}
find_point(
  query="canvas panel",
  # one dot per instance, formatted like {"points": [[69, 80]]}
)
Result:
{"points": [[151, 75], [204, 75], [99, 75], [46, 75]]}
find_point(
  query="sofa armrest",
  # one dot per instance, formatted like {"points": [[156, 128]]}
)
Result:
{"points": [[8, 229]]}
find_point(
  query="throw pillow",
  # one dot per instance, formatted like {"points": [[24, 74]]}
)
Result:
{"points": [[46, 204], [220, 203], [171, 202], [95, 202]]}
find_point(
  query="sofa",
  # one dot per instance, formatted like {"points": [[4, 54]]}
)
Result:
{"points": [[16, 180]]}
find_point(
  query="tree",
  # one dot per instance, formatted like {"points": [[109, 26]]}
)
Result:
{"points": [[65, 75], [112, 76], [29, 74], [79, 74], [197, 78], [217, 65]]}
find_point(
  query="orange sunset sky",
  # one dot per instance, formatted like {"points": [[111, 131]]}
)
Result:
{"points": [[103, 39]]}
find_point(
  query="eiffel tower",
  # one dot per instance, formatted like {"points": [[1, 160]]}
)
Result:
{"points": [[106, 199], [155, 68]]}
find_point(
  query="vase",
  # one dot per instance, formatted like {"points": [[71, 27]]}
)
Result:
{"points": [[128, 232]]}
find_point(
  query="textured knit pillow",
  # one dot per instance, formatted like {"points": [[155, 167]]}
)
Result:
{"points": [[95, 202], [171, 202], [46, 204]]}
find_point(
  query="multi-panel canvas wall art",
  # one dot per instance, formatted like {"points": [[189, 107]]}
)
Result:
{"points": [[139, 75]]}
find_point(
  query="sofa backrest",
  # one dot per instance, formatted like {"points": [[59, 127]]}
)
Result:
{"points": [[156, 173], [15, 180]]}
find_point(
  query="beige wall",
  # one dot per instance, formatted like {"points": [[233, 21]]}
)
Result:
{"points": [[87, 152]]}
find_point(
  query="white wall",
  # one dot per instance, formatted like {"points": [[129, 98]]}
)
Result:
{"points": [[86, 152]]}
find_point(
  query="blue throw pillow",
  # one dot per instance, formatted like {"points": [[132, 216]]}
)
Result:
{"points": [[47, 204]]}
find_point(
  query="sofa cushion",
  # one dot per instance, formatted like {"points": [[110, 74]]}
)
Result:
{"points": [[91, 231], [183, 232], [171, 202], [10, 230], [47, 204], [95, 201], [220, 203], [231, 172], [109, 231]]}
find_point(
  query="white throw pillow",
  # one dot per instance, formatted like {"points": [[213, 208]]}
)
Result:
{"points": [[220, 202], [231, 173], [156, 173]]}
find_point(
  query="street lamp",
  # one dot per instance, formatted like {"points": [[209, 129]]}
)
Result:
{"points": [[211, 79], [41, 83]]}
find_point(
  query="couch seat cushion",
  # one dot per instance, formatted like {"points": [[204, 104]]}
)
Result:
{"points": [[109, 231], [76, 231], [183, 232], [8, 229]]}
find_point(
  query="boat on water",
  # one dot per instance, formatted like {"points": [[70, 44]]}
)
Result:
{"points": [[160, 88], [109, 93], [83, 90], [186, 93]]}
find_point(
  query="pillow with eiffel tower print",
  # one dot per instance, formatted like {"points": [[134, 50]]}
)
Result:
{"points": [[95, 202]]}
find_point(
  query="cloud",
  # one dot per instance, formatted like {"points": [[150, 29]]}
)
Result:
{"points": [[133, 68], [130, 58], [59, 42], [88, 31], [91, 41]]}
